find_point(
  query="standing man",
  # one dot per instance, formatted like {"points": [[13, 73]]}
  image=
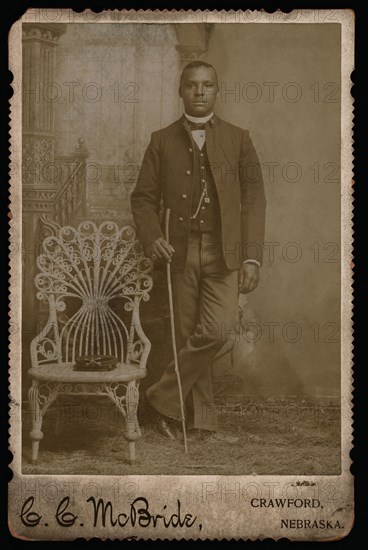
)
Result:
{"points": [[207, 172]]}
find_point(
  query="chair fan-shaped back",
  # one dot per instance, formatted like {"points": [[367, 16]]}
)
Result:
{"points": [[94, 278]]}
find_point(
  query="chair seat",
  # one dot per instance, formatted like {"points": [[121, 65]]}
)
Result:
{"points": [[64, 372]]}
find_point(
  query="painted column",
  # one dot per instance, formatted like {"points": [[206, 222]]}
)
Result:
{"points": [[39, 192]]}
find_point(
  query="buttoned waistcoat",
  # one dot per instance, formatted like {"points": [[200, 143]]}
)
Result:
{"points": [[166, 176]]}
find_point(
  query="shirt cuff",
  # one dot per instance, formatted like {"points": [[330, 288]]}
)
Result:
{"points": [[251, 261]]}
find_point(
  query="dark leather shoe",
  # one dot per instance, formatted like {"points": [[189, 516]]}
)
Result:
{"points": [[164, 427]]}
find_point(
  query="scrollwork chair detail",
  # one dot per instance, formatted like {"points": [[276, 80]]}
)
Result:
{"points": [[93, 279]]}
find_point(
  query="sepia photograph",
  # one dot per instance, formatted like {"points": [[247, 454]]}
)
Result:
{"points": [[184, 266]]}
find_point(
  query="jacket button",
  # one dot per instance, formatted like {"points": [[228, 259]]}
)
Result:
{"points": [[184, 196], [202, 221], [190, 150], [181, 219], [203, 207], [188, 172]]}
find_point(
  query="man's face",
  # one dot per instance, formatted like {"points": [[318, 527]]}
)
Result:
{"points": [[199, 91]]}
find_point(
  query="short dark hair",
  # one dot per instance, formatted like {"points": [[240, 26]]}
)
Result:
{"points": [[194, 65]]}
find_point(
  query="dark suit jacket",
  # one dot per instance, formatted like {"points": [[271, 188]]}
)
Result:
{"points": [[167, 174]]}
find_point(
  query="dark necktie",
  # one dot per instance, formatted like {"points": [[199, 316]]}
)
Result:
{"points": [[197, 126]]}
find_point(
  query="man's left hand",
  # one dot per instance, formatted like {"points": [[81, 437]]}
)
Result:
{"points": [[248, 277]]}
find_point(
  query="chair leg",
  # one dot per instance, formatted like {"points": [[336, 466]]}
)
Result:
{"points": [[132, 452], [36, 434], [133, 431], [39, 394], [129, 411]]}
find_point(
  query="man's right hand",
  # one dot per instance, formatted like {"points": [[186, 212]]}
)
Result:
{"points": [[160, 250]]}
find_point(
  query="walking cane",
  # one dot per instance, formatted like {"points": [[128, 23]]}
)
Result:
{"points": [[173, 339]]}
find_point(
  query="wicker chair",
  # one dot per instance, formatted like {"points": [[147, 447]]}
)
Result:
{"points": [[93, 279]]}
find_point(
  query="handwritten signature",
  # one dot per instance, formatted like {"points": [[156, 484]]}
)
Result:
{"points": [[105, 514]]}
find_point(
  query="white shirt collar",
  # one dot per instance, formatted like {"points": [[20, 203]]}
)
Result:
{"points": [[198, 119]]}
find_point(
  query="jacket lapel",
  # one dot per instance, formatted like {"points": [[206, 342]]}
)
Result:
{"points": [[212, 136], [186, 124]]}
